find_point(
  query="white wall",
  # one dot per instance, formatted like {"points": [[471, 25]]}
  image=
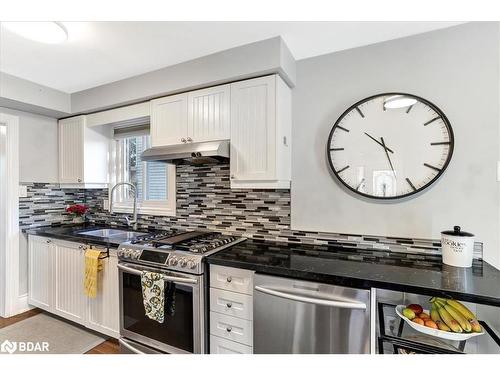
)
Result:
{"points": [[38, 147], [455, 68]]}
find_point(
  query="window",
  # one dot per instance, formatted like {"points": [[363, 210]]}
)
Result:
{"points": [[155, 181]]}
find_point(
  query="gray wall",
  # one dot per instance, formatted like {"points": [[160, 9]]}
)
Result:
{"points": [[247, 61], [38, 147], [457, 69]]}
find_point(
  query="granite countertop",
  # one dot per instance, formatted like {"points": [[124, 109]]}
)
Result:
{"points": [[366, 268], [73, 233]]}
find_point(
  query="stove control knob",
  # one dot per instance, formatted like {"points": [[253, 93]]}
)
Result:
{"points": [[191, 264], [172, 261], [183, 262]]}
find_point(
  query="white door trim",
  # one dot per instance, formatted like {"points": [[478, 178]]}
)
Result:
{"points": [[9, 193]]}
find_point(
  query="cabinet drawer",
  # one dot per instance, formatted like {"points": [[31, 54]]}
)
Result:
{"points": [[228, 327], [219, 345], [230, 303], [232, 279]]}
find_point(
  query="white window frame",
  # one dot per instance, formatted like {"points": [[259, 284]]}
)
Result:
{"points": [[147, 207]]}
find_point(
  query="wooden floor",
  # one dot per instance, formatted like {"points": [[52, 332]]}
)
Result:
{"points": [[109, 346]]}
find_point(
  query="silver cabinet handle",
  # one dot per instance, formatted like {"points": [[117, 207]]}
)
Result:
{"points": [[79, 180], [130, 347], [48, 241], [183, 140], [312, 300], [165, 277], [229, 305], [232, 177], [189, 139], [229, 279], [81, 247], [229, 329]]}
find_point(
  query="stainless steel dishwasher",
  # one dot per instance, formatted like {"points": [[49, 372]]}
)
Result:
{"points": [[293, 316]]}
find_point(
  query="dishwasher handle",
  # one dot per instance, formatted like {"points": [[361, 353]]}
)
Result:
{"points": [[312, 300]]}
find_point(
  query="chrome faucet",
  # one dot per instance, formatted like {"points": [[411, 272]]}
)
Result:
{"points": [[134, 189]]}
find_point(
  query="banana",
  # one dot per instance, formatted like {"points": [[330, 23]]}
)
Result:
{"points": [[476, 327], [434, 314], [461, 308], [449, 320], [464, 323], [437, 319]]}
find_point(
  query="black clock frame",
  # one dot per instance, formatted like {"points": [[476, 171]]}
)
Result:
{"points": [[418, 98]]}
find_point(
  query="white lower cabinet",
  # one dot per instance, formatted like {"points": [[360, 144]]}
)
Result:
{"points": [[231, 310], [103, 311], [219, 345], [40, 271], [56, 275]]}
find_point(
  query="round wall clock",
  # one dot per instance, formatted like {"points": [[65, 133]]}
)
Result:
{"points": [[390, 146]]}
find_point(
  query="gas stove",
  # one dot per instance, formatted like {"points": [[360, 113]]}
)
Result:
{"points": [[175, 250]]}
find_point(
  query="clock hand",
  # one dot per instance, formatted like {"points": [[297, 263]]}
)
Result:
{"points": [[388, 149], [387, 154]]}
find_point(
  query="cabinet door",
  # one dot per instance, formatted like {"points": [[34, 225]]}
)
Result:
{"points": [[71, 148], [169, 120], [103, 311], [39, 272], [253, 129], [68, 266], [208, 114]]}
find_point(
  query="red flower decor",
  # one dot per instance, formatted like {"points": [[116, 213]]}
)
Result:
{"points": [[77, 209]]}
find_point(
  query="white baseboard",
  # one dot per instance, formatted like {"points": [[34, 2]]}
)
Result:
{"points": [[22, 305]]}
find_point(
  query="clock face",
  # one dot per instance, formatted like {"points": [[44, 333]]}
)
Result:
{"points": [[390, 146]]}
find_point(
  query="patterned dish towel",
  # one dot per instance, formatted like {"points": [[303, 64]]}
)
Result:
{"points": [[153, 295], [93, 264]]}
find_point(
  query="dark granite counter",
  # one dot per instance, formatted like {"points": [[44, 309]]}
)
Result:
{"points": [[363, 268], [74, 233]]}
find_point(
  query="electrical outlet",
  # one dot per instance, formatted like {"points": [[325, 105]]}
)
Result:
{"points": [[105, 203], [23, 191]]}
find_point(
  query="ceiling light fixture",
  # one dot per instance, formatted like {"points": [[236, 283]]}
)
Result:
{"points": [[399, 101], [45, 32]]}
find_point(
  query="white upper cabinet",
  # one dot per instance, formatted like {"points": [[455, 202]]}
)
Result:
{"points": [[169, 120], [209, 114], [261, 133], [83, 152], [71, 149]]}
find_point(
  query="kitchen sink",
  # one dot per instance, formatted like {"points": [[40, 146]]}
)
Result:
{"points": [[112, 233]]}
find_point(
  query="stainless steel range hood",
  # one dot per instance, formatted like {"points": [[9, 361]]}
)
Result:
{"points": [[190, 153]]}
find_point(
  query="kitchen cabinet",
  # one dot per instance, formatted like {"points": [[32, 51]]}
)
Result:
{"points": [[261, 117], [40, 271], [196, 116], [103, 311], [83, 152], [231, 310], [208, 114], [68, 271], [168, 120], [56, 274]]}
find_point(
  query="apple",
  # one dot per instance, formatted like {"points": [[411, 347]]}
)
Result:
{"points": [[417, 309]]}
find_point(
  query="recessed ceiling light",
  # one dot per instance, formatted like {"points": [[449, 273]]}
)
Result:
{"points": [[45, 32], [399, 101]]}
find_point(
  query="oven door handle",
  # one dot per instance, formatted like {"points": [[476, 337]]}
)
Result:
{"points": [[165, 277], [130, 347]]}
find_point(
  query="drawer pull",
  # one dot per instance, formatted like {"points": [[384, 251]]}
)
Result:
{"points": [[229, 279], [229, 329], [229, 305]]}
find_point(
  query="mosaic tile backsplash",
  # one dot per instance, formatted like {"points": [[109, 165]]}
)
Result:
{"points": [[205, 201]]}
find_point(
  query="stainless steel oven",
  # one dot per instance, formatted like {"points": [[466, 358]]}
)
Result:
{"points": [[182, 332]]}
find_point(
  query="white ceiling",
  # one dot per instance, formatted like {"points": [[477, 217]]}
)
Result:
{"points": [[102, 52]]}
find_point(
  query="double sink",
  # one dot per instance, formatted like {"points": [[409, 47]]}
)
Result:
{"points": [[112, 235]]}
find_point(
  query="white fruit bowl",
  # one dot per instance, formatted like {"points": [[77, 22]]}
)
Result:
{"points": [[435, 332]]}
